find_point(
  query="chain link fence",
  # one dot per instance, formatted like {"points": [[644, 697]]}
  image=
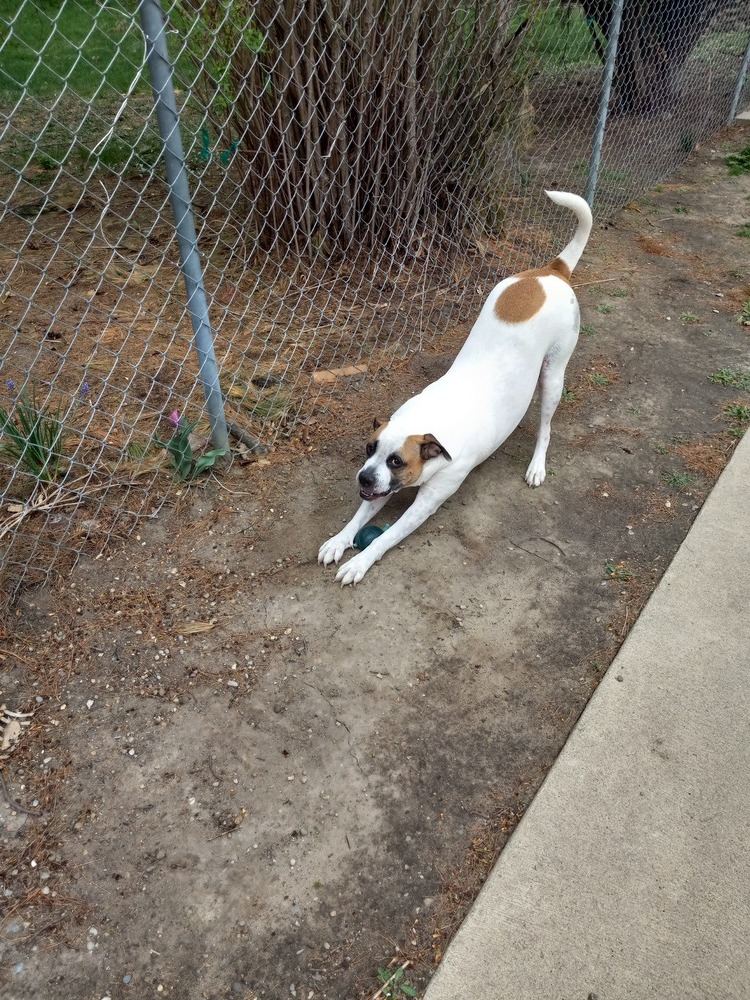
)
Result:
{"points": [[361, 172]]}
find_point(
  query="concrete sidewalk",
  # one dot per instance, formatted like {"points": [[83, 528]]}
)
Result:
{"points": [[629, 876]]}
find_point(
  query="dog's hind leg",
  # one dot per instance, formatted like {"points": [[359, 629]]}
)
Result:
{"points": [[551, 383]]}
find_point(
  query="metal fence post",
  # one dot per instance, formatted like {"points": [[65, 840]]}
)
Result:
{"points": [[601, 119], [740, 84], [160, 68]]}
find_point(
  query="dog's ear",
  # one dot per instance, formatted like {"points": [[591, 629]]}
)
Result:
{"points": [[430, 447], [377, 423]]}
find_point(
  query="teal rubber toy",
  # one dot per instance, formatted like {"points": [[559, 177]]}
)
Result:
{"points": [[368, 534]]}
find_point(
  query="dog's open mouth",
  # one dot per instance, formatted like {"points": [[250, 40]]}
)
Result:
{"points": [[371, 495]]}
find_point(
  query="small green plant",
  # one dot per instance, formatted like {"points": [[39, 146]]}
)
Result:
{"points": [[618, 293], [567, 395], [32, 436], [734, 377], [739, 163], [587, 329], [744, 231], [681, 210], [662, 449], [690, 317], [185, 463], [677, 480], [599, 380], [738, 412], [635, 411], [739, 415], [395, 986], [604, 308], [744, 316], [619, 572]]}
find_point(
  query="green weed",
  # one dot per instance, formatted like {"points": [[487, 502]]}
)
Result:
{"points": [[588, 330], [734, 377], [185, 463], [619, 572], [690, 317], [395, 985], [33, 437], [744, 231], [599, 380], [604, 308], [738, 412]]}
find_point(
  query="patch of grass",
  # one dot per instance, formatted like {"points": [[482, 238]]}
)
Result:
{"points": [[618, 293], [690, 317], [661, 449], [619, 572], [744, 315], [737, 378], [599, 380], [635, 411], [567, 395], [739, 163], [588, 330], [92, 48], [681, 210], [677, 480], [744, 231], [604, 308]]}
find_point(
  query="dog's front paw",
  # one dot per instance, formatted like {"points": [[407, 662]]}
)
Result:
{"points": [[354, 570], [334, 548], [535, 473]]}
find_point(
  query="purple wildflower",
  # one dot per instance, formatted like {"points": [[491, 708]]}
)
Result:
{"points": [[175, 420], [11, 384], [85, 390]]}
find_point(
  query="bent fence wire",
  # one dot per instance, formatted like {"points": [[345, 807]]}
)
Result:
{"points": [[361, 172]]}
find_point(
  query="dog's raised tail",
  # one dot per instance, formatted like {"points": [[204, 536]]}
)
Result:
{"points": [[572, 252]]}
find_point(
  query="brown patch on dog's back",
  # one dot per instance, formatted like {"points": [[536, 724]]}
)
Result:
{"points": [[520, 301], [525, 297], [556, 268]]}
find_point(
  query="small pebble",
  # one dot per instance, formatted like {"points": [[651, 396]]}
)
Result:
{"points": [[127, 980]]}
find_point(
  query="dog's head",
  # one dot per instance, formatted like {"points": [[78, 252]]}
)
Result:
{"points": [[395, 460]]}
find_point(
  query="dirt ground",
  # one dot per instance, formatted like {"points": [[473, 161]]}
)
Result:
{"points": [[248, 782]]}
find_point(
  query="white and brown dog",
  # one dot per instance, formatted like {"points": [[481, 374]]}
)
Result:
{"points": [[524, 336]]}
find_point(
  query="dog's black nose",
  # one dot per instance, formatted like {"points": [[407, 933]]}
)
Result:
{"points": [[366, 479]]}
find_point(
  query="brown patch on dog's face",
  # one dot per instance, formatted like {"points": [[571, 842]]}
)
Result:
{"points": [[406, 465], [520, 301]]}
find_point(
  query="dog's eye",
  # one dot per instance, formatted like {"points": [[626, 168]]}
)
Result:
{"points": [[395, 462], [370, 449]]}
